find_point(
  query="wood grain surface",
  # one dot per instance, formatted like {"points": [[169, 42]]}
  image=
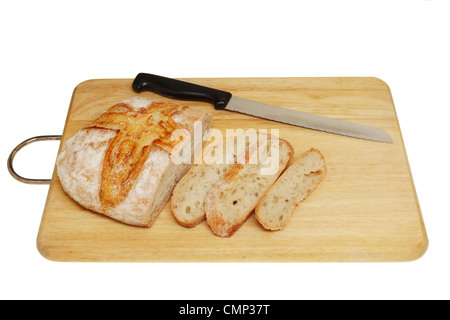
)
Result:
{"points": [[365, 210]]}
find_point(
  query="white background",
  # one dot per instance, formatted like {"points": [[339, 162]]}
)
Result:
{"points": [[48, 47]]}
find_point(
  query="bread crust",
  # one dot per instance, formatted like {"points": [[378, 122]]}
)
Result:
{"points": [[80, 167], [214, 217]]}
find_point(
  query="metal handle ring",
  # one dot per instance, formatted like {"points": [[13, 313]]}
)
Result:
{"points": [[20, 146]]}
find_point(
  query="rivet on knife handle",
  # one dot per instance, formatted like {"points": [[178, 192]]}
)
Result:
{"points": [[177, 89]]}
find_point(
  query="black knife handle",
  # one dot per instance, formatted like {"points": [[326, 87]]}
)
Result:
{"points": [[177, 89]]}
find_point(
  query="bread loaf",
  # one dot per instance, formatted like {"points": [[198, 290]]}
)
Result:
{"points": [[275, 209], [233, 198], [121, 166]]}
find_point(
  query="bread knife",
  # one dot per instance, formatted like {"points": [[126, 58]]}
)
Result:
{"points": [[223, 100]]}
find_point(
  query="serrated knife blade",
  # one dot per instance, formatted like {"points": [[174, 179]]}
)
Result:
{"points": [[306, 120]]}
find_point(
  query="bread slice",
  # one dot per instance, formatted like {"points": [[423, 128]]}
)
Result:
{"points": [[189, 195], [232, 200], [275, 209], [122, 165]]}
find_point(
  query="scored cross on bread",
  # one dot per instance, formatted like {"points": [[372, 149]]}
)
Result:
{"points": [[137, 130]]}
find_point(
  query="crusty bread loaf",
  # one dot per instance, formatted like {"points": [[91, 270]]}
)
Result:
{"points": [[122, 166], [232, 200], [275, 209]]}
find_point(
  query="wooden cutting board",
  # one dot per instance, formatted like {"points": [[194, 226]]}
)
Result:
{"points": [[365, 210]]}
